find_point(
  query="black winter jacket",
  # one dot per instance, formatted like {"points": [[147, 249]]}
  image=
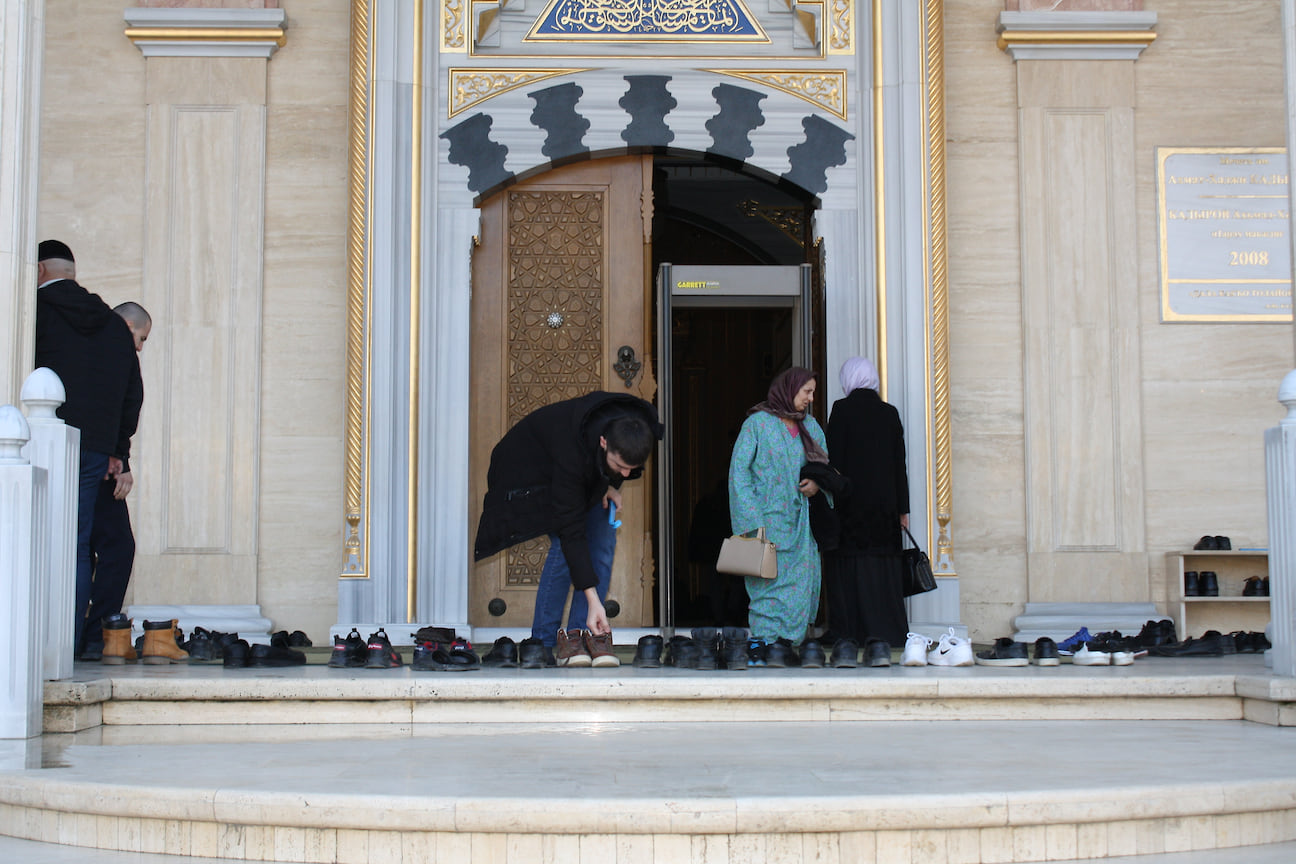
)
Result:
{"points": [[548, 471], [91, 349]]}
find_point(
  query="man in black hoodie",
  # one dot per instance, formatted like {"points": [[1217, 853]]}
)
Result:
{"points": [[92, 351]]}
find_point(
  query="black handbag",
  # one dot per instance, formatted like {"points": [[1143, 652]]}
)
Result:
{"points": [[916, 573]]}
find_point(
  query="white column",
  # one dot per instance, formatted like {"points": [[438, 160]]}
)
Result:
{"points": [[1280, 471], [22, 507], [56, 447]]}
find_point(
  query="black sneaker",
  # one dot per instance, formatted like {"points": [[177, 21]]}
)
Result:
{"points": [[503, 654], [381, 653], [349, 653], [648, 652], [877, 652], [1004, 652], [274, 656], [1046, 652], [845, 654], [458, 656], [298, 639], [812, 654]]}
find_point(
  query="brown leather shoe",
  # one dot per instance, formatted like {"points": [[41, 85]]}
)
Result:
{"points": [[571, 649], [600, 650], [160, 645]]}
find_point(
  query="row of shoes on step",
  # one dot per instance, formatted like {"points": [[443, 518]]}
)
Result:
{"points": [[237, 653], [1212, 643], [576, 649], [436, 649]]}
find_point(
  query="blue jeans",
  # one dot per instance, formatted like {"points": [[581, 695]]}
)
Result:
{"points": [[555, 579], [93, 468]]}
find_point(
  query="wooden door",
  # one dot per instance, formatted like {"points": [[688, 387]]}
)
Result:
{"points": [[560, 283]]}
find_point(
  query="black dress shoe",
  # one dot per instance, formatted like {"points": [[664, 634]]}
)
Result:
{"points": [[1192, 584], [1222, 542], [648, 652], [845, 654], [504, 654], [534, 654], [780, 653], [235, 655], [1207, 542], [877, 652], [683, 653], [1209, 586], [274, 656], [1251, 587], [812, 654]]}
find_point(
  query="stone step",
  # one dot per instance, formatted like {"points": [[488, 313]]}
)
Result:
{"points": [[1059, 621]]}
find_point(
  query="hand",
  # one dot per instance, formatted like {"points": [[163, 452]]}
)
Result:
{"points": [[125, 482], [904, 520], [808, 488], [114, 467], [596, 621], [613, 495]]}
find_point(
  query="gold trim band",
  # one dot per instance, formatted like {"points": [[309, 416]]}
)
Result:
{"points": [[416, 266], [1075, 37], [879, 201], [938, 381], [208, 34]]}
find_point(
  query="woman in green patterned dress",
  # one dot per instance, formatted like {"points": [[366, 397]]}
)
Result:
{"points": [[765, 491]]}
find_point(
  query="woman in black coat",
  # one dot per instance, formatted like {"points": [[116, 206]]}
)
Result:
{"points": [[862, 576]]}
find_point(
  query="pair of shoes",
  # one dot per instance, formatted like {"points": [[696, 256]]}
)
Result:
{"points": [[877, 652], [951, 650], [1106, 649], [581, 648], [812, 654], [381, 654], [1157, 632], [845, 654], [780, 654], [1256, 586], [503, 654], [349, 652], [915, 650], [1069, 645], [455, 656], [1210, 644], [207, 644], [117, 648], [534, 654], [274, 656], [1250, 643], [284, 639], [1004, 652], [1208, 543], [162, 643]]}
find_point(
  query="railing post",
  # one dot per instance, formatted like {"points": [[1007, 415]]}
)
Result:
{"points": [[1280, 472], [22, 514], [56, 447]]}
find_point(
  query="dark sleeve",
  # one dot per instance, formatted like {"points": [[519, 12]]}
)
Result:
{"points": [[570, 505], [901, 472], [131, 402]]}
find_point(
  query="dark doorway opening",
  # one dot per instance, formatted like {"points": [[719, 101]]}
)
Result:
{"points": [[722, 358]]}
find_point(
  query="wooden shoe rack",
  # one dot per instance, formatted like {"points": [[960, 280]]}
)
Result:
{"points": [[1230, 610]]}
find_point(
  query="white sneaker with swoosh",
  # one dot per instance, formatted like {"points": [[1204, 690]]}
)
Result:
{"points": [[952, 650]]}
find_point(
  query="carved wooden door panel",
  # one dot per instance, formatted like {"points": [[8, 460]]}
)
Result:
{"points": [[560, 283]]}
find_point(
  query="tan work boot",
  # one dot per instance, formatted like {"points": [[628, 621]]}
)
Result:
{"points": [[118, 649], [160, 644]]}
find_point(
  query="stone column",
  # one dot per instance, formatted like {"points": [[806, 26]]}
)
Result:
{"points": [[1280, 471], [22, 35], [22, 509]]}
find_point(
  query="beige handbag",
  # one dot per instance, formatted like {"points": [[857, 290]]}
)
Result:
{"points": [[748, 556]]}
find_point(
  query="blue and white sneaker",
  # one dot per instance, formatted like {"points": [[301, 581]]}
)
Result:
{"points": [[1071, 644]]}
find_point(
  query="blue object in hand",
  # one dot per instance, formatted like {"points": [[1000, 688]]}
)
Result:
{"points": [[612, 520]]}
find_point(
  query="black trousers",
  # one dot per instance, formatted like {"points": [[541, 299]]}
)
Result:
{"points": [[112, 549]]}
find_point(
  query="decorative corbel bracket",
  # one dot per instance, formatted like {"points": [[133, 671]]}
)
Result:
{"points": [[169, 32], [1076, 35]]}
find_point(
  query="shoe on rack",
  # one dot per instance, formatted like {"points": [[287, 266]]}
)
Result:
{"points": [[812, 654], [571, 651], [915, 650], [1069, 645], [845, 654], [349, 652], [707, 640], [274, 656], [1209, 583], [381, 653], [733, 648], [1004, 652], [534, 654], [600, 649], [1092, 653], [780, 654], [117, 649], [1206, 543], [504, 654], [877, 652], [1192, 584], [162, 643], [1223, 543], [1046, 652], [951, 650], [648, 652], [1251, 587], [756, 650]]}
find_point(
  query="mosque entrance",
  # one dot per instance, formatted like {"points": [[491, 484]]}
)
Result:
{"points": [[564, 302]]}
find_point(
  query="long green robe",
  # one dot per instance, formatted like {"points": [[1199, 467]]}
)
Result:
{"points": [[763, 477]]}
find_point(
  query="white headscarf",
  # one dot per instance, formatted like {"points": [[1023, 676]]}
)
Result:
{"points": [[858, 372]]}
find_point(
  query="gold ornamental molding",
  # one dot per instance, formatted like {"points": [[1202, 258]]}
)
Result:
{"points": [[938, 288], [470, 87], [1013, 38], [184, 32], [841, 26], [454, 26], [826, 90], [1075, 35]]}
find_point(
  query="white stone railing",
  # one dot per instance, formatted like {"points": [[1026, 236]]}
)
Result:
{"points": [[39, 463], [1280, 471]]}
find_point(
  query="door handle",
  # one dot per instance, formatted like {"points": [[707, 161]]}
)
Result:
{"points": [[627, 366]]}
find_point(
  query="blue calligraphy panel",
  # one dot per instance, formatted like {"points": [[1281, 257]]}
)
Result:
{"points": [[648, 20]]}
